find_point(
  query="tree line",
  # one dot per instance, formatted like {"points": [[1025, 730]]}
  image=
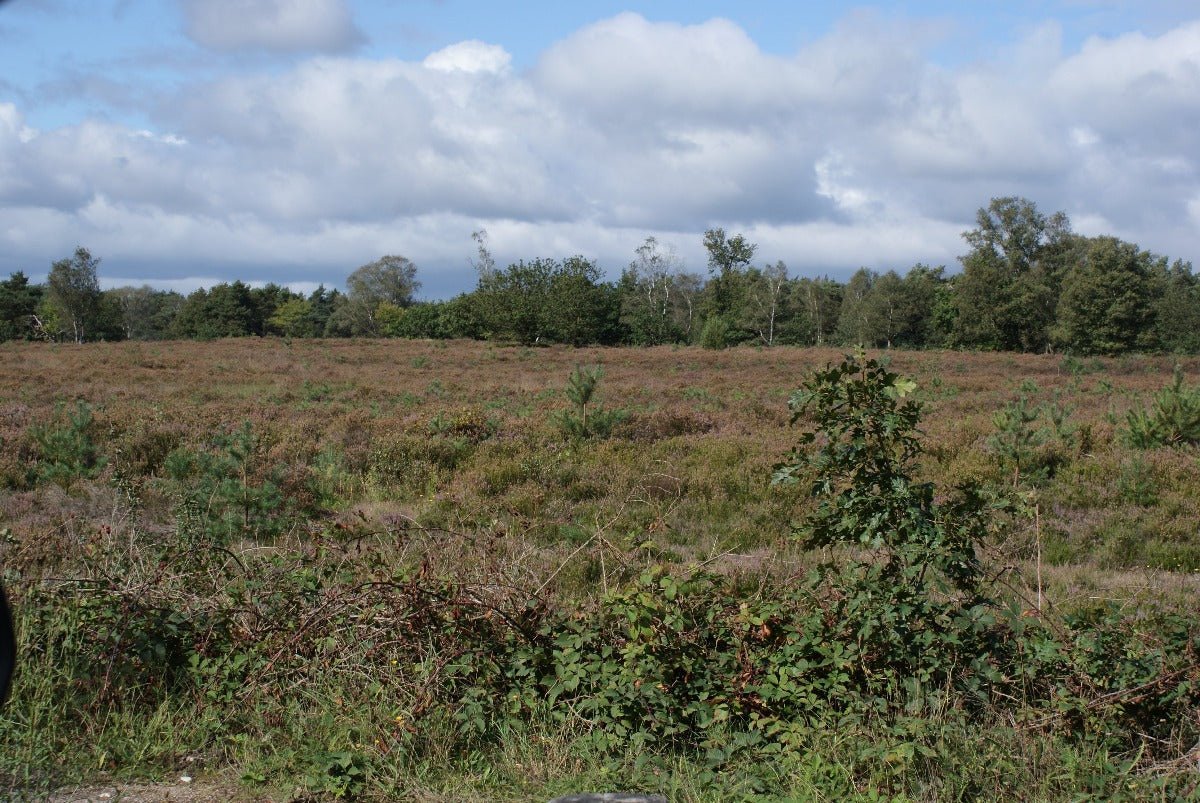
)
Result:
{"points": [[1028, 283]]}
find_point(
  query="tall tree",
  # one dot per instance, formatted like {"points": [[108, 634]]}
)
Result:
{"points": [[1177, 311], [484, 263], [73, 294], [657, 297], [727, 259], [581, 308], [292, 318], [821, 301], [18, 303], [225, 310], [389, 279], [146, 313], [512, 303], [724, 294], [889, 312], [266, 300], [856, 324], [323, 302], [763, 302], [931, 302], [1107, 303], [1008, 290]]}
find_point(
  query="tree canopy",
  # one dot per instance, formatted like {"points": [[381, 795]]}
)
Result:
{"points": [[1027, 283]]}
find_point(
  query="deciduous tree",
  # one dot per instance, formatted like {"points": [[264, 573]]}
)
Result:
{"points": [[658, 298], [1008, 290], [1107, 303], [73, 294], [389, 279]]}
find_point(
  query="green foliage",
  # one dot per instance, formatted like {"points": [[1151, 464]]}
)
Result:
{"points": [[291, 318], [728, 259], [371, 654], [584, 420], [1033, 442], [232, 310], [341, 774], [912, 614], [1107, 302], [377, 295], [1008, 288], [1027, 284], [715, 334], [225, 493], [73, 297], [18, 303], [1136, 484], [1177, 310], [1016, 439], [861, 453], [416, 463], [1173, 419], [548, 300], [657, 298], [66, 451]]}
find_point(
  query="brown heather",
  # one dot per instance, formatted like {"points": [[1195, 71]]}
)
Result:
{"points": [[689, 469]]}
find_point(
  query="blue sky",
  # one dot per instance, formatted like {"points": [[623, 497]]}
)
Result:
{"points": [[193, 141]]}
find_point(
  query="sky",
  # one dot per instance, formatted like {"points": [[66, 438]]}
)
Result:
{"points": [[188, 142]]}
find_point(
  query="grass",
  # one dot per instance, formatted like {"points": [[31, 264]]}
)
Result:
{"points": [[407, 459]]}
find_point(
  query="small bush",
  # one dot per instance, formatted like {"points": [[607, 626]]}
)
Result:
{"points": [[1028, 451], [413, 463], [221, 494], [663, 424], [584, 420], [1172, 420], [66, 451]]}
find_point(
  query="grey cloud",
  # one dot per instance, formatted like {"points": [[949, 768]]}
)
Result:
{"points": [[854, 150], [282, 26]]}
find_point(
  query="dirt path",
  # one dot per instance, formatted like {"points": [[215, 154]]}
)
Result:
{"points": [[199, 792]]}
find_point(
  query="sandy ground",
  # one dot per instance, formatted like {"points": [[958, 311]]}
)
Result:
{"points": [[196, 792]]}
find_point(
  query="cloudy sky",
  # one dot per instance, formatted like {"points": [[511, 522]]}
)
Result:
{"points": [[192, 141]]}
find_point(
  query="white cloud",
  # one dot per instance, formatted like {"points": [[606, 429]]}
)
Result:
{"points": [[470, 57], [283, 26], [854, 150]]}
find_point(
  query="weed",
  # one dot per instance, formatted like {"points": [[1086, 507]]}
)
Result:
{"points": [[564, 614], [1136, 484]]}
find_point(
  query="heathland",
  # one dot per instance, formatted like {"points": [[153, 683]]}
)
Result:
{"points": [[461, 570]]}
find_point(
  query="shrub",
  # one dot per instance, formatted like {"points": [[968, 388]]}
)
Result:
{"points": [[715, 334], [583, 420], [221, 496], [1031, 452], [914, 607], [1172, 420], [66, 451], [860, 456]]}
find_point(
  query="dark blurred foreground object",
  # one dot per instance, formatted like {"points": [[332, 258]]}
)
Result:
{"points": [[8, 646], [610, 797]]}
